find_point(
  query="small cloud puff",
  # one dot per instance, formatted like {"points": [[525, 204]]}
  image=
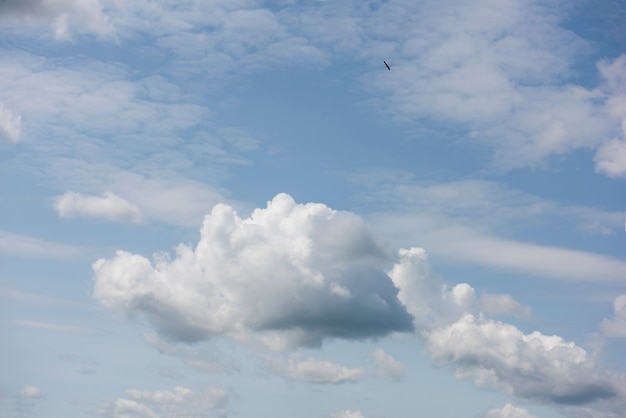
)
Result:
{"points": [[109, 206], [347, 414], [10, 125], [31, 392], [616, 327], [387, 366], [320, 371], [508, 411]]}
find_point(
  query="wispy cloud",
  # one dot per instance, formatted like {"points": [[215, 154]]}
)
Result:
{"points": [[108, 206], [10, 125], [26, 246], [64, 17], [47, 326], [387, 366], [616, 326], [31, 392], [476, 221]]}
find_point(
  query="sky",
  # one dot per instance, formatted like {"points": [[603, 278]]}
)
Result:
{"points": [[232, 208]]}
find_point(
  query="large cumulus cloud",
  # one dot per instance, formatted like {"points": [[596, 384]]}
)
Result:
{"points": [[293, 273]]}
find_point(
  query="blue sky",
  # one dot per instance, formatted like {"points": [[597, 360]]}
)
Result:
{"points": [[232, 208]]}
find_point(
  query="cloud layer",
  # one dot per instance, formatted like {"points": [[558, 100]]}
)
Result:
{"points": [[294, 275]]}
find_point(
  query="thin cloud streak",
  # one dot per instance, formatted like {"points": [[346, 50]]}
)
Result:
{"points": [[25, 246]]}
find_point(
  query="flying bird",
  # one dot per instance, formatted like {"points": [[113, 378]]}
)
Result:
{"points": [[387, 65]]}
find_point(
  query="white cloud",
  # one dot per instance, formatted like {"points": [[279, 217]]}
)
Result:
{"points": [[431, 302], [10, 125], [611, 158], [320, 371], [181, 401], [502, 74], [271, 273], [78, 105], [347, 413], [533, 366], [616, 327], [553, 262], [508, 411], [123, 406], [179, 394], [174, 200], [108, 206], [387, 366], [497, 74], [31, 392], [64, 16]]}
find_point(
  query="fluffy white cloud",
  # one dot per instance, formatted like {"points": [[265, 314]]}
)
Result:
{"points": [[32, 392], [10, 125], [531, 366], [508, 411], [616, 327], [64, 16], [108, 206], [431, 302], [277, 271], [320, 371], [387, 366]]}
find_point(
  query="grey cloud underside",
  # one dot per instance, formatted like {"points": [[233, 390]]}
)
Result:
{"points": [[541, 388], [372, 311]]}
